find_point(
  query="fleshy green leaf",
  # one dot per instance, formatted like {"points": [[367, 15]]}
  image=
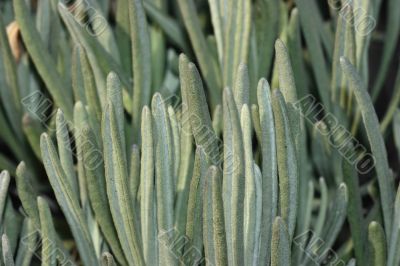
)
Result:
{"points": [[269, 169], [27, 243], [354, 211], [377, 243], [250, 210], [286, 78], [186, 147], [164, 178], [371, 123], [4, 184], [200, 119], [194, 225], [68, 202], [114, 95], [234, 187], [242, 86], [280, 247], [287, 162], [134, 174], [148, 192], [336, 217], [100, 60], [208, 65], [65, 151], [213, 219], [175, 139], [116, 173], [7, 253], [237, 38], [141, 58], [323, 207], [96, 185], [218, 26], [47, 233], [266, 16], [27, 193], [107, 259], [91, 93], [32, 129], [394, 242]]}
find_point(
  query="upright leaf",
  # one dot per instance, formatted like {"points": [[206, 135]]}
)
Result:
{"points": [[199, 116], [116, 173], [237, 38], [287, 163], [141, 58], [280, 247], [194, 225], [235, 186], [47, 233], [68, 202], [250, 210], [213, 219], [241, 88], [4, 184], [107, 259], [208, 65], [269, 169], [286, 77], [377, 244], [186, 147], [7, 253], [164, 179], [394, 242], [148, 192], [65, 150], [354, 211], [27, 193], [377, 144], [96, 185], [27, 243]]}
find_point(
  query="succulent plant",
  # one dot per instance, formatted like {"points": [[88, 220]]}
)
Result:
{"points": [[194, 132]]}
